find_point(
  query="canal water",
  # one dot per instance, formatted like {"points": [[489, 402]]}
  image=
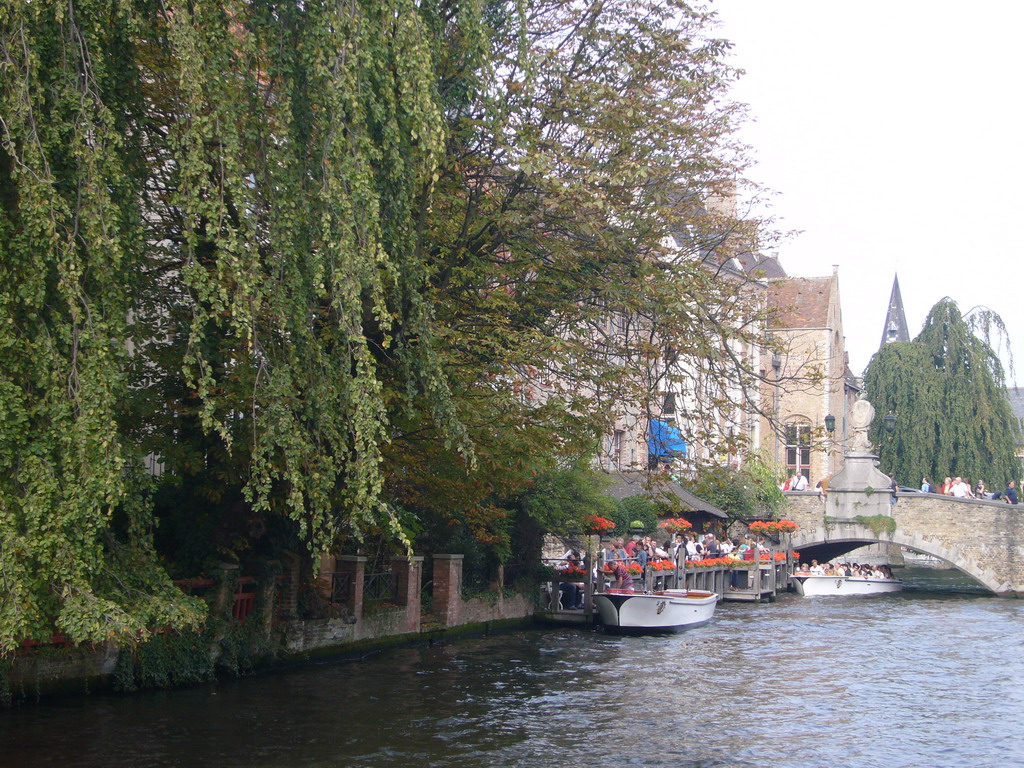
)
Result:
{"points": [[930, 677]]}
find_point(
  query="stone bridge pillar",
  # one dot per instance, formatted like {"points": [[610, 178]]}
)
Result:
{"points": [[858, 488]]}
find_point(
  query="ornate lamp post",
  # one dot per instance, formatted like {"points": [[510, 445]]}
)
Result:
{"points": [[890, 423], [777, 368], [830, 427]]}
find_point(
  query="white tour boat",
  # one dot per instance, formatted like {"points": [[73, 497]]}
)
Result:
{"points": [[813, 585], [671, 610]]}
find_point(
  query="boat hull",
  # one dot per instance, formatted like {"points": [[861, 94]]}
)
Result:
{"points": [[823, 586], [673, 610]]}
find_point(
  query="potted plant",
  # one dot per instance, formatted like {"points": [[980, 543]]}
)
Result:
{"points": [[675, 525]]}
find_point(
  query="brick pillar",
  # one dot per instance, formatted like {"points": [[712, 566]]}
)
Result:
{"points": [[224, 599], [408, 577], [355, 566], [448, 589], [292, 573], [328, 565]]}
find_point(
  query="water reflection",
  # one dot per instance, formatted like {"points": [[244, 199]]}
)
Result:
{"points": [[927, 677]]}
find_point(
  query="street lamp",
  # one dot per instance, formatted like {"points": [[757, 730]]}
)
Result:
{"points": [[830, 427], [890, 423], [776, 367]]}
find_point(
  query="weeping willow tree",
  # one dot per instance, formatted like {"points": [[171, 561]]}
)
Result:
{"points": [[210, 220], [350, 267], [947, 390]]}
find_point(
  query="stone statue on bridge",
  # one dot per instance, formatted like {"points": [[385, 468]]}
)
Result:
{"points": [[856, 489], [861, 415]]}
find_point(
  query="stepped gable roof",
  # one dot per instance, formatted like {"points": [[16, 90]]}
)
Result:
{"points": [[757, 265], [799, 302], [655, 485], [751, 264]]}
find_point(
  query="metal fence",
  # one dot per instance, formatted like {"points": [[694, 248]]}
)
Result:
{"points": [[341, 587], [377, 587], [380, 587]]}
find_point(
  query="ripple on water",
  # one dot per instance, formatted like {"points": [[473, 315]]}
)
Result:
{"points": [[929, 677]]}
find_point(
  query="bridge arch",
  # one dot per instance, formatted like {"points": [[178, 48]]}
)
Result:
{"points": [[983, 539], [860, 535]]}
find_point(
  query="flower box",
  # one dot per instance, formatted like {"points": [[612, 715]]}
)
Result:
{"points": [[661, 565], [675, 525], [598, 525], [773, 527]]}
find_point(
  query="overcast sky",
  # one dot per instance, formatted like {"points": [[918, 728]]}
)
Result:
{"points": [[893, 133]]}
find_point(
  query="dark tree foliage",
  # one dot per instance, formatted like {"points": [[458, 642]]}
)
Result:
{"points": [[751, 491], [353, 271], [947, 390], [637, 509]]}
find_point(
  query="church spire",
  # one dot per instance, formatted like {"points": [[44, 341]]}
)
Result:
{"points": [[895, 321]]}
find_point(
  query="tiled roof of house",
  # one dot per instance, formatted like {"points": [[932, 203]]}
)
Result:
{"points": [[799, 302], [750, 263], [757, 265], [655, 486], [852, 380]]}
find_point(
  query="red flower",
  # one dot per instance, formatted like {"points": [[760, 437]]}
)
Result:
{"points": [[773, 526], [597, 524], [675, 524]]}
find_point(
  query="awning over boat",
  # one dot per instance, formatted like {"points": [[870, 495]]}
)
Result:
{"points": [[665, 441]]}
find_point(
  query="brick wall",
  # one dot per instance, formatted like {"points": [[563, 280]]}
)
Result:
{"points": [[75, 667]]}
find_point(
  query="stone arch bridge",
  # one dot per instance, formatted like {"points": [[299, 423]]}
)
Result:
{"points": [[984, 539]]}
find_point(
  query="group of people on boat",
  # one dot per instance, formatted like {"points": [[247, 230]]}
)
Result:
{"points": [[618, 555], [847, 570], [615, 566]]}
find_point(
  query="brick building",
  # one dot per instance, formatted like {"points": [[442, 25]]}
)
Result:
{"points": [[810, 379]]}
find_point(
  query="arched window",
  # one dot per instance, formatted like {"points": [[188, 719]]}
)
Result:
{"points": [[798, 449]]}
